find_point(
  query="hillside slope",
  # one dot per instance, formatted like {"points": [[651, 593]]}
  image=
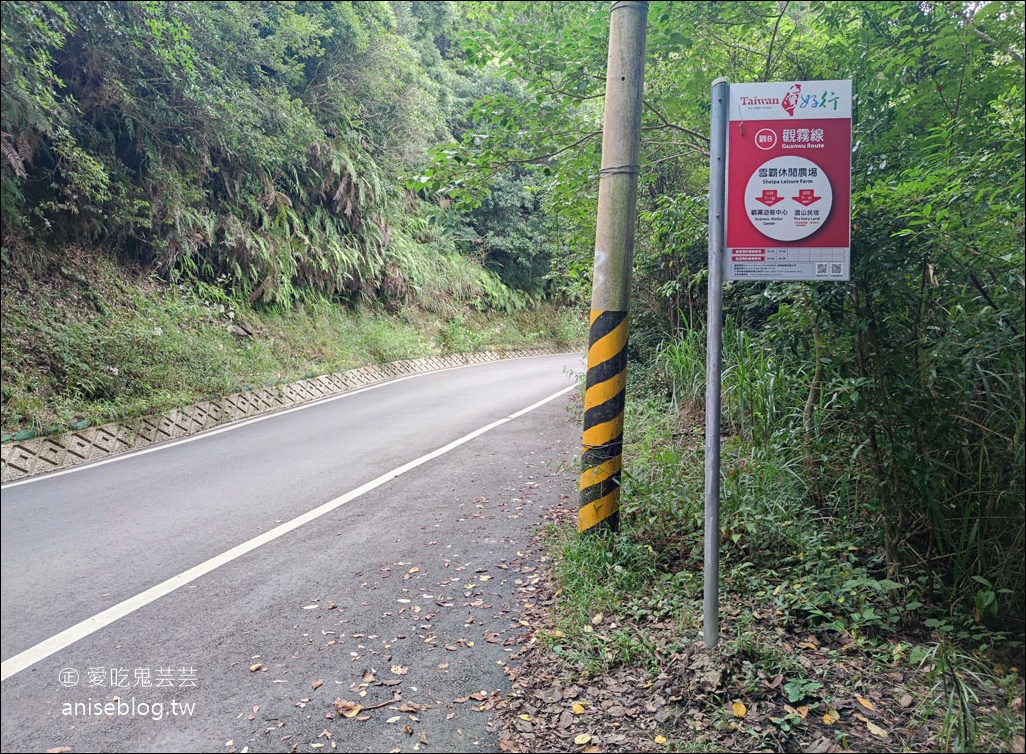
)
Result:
{"points": [[86, 339]]}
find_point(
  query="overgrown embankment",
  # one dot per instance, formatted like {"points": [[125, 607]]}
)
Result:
{"points": [[200, 197], [86, 339]]}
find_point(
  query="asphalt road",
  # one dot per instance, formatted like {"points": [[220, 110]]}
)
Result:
{"points": [[221, 593]]}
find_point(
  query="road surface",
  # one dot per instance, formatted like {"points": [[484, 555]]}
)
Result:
{"points": [[340, 576]]}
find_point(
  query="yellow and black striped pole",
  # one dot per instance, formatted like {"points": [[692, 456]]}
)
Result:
{"points": [[602, 440], [602, 446]]}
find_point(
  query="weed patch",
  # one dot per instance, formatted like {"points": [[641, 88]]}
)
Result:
{"points": [[822, 646]]}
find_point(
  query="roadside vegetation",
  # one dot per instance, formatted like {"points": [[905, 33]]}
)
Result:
{"points": [[181, 222], [822, 646], [91, 341], [363, 182]]}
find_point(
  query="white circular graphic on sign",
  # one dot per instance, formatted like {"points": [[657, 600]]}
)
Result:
{"points": [[788, 198], [765, 138]]}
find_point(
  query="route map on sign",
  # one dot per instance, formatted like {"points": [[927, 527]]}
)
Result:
{"points": [[788, 178], [789, 181]]}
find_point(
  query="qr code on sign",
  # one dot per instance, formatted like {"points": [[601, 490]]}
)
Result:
{"points": [[836, 269], [821, 269]]}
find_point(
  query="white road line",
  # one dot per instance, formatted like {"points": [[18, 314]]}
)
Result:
{"points": [[238, 424], [229, 427], [69, 636]]}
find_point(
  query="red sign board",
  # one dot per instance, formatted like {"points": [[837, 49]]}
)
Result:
{"points": [[789, 181]]}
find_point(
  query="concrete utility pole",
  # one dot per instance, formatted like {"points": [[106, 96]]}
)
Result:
{"points": [[602, 441]]}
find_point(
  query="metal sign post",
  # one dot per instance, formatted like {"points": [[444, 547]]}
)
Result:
{"points": [[717, 222], [779, 209]]}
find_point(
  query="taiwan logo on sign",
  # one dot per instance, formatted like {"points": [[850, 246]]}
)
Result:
{"points": [[791, 99], [789, 181]]}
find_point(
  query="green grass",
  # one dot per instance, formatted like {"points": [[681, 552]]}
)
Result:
{"points": [[810, 617], [594, 574], [86, 341]]}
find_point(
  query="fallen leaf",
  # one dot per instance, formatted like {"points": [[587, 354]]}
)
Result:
{"points": [[739, 709], [597, 618], [317, 684], [551, 695], [831, 716], [347, 708], [400, 670], [526, 717], [906, 700], [394, 719], [368, 676], [255, 667], [582, 738], [423, 738], [578, 708], [865, 703], [875, 729]]}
